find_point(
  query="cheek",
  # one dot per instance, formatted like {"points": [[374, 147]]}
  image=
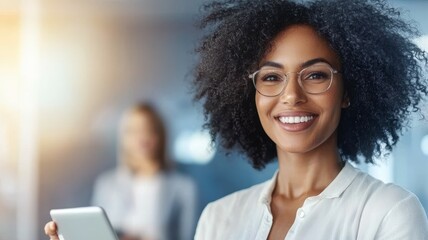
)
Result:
{"points": [[133, 142], [127, 144], [264, 107], [332, 103], [331, 107], [153, 142]]}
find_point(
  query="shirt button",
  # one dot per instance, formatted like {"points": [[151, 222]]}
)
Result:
{"points": [[302, 214]]}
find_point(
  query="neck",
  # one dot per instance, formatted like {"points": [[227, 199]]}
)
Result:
{"points": [[147, 167], [307, 174]]}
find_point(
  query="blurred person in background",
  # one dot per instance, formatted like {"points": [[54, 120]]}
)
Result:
{"points": [[144, 198]]}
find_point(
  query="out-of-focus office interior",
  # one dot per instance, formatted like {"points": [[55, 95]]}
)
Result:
{"points": [[69, 68]]}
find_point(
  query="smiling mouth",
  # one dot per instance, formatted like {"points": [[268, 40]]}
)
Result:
{"points": [[295, 122]]}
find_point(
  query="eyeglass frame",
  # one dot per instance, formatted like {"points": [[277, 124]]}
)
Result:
{"points": [[299, 80]]}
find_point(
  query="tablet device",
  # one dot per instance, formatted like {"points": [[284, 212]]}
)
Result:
{"points": [[87, 223]]}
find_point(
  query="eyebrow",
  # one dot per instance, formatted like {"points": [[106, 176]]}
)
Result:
{"points": [[303, 65]]}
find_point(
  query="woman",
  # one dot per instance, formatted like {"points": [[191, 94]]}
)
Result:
{"points": [[316, 85], [143, 197]]}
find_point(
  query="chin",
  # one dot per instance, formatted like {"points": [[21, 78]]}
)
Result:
{"points": [[302, 142], [294, 148]]}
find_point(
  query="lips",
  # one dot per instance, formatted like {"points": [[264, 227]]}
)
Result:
{"points": [[295, 121]]}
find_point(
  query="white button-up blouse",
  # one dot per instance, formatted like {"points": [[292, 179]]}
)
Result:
{"points": [[354, 206]]}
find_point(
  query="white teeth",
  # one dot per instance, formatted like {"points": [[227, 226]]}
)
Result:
{"points": [[296, 119]]}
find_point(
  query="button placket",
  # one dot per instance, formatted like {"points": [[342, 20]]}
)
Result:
{"points": [[303, 211], [265, 225]]}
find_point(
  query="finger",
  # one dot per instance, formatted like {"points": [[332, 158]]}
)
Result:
{"points": [[53, 229], [50, 229], [47, 231]]}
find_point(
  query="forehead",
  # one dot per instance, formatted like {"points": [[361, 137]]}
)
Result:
{"points": [[135, 118], [298, 44]]}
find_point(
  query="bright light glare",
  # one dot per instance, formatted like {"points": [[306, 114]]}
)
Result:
{"points": [[27, 163], [194, 147], [424, 145], [422, 42]]}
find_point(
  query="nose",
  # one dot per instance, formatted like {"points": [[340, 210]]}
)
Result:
{"points": [[293, 94]]}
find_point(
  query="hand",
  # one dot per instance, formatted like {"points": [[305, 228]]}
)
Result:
{"points": [[51, 231]]}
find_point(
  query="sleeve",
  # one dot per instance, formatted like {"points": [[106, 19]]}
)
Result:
{"points": [[188, 212], [100, 197], [203, 224], [97, 193], [406, 220]]}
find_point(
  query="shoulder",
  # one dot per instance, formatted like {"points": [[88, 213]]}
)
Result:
{"points": [[117, 178], [235, 204], [382, 195], [226, 212], [178, 179], [179, 187], [406, 219], [106, 177], [396, 211], [105, 184]]}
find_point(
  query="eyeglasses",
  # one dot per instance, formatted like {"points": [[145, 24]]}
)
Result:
{"points": [[315, 79]]}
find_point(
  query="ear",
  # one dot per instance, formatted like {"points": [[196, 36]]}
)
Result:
{"points": [[346, 102]]}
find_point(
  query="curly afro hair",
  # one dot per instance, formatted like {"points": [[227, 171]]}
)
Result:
{"points": [[382, 69]]}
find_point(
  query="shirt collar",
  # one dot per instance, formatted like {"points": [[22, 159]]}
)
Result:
{"points": [[266, 194], [341, 182], [333, 190]]}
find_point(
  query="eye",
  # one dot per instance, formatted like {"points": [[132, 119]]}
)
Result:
{"points": [[271, 78], [317, 76]]}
